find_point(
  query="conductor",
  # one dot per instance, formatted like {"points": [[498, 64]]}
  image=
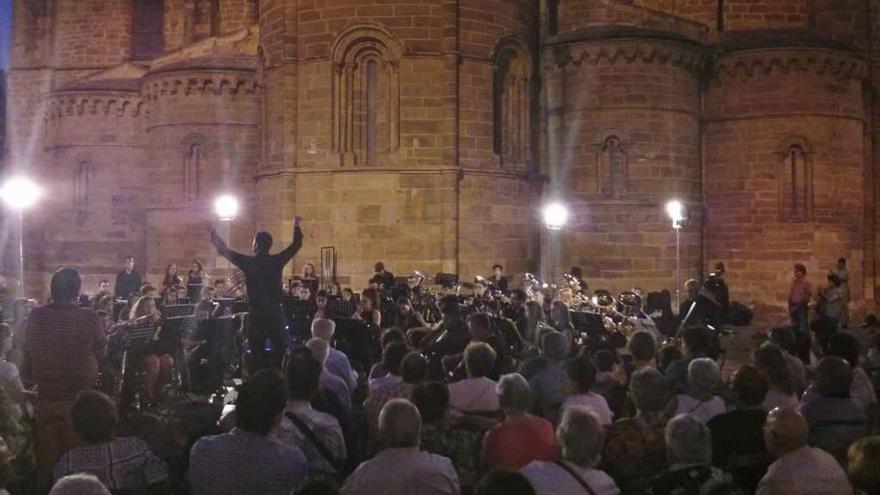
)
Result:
{"points": [[262, 273]]}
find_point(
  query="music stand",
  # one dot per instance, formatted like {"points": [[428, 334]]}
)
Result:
{"points": [[179, 310], [177, 327], [139, 336], [338, 307]]}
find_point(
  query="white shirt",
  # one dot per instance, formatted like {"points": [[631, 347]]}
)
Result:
{"points": [[593, 402], [403, 471], [474, 394], [806, 471], [549, 479], [702, 410]]}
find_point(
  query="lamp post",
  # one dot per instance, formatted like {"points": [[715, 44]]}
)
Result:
{"points": [[20, 193], [675, 211], [226, 206], [555, 216]]}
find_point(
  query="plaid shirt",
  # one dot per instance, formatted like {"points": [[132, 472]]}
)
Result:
{"points": [[378, 398], [123, 464], [461, 446]]}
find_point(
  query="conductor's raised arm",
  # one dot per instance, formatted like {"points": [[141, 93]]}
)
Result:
{"points": [[223, 250], [295, 245]]}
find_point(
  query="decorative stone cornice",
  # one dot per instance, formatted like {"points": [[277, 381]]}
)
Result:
{"points": [[59, 105], [741, 65], [688, 56], [200, 83]]}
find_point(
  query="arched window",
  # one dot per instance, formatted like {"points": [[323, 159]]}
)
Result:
{"points": [[510, 105], [366, 95], [148, 24], [192, 169], [795, 185], [82, 186], [614, 168]]}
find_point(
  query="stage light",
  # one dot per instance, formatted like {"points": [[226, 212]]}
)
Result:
{"points": [[675, 210], [20, 193], [555, 216], [226, 207]]}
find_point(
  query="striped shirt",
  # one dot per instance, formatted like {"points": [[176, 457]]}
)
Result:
{"points": [[62, 345], [126, 463]]}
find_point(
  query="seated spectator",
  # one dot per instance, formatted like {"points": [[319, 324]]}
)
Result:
{"points": [[79, 484], [443, 436], [798, 468], [643, 347], [667, 356], [845, 346], [392, 355], [580, 377], [738, 435], [835, 419], [401, 468], [413, 370], [124, 463], [580, 435], [337, 362], [317, 434], [699, 401], [784, 338], [864, 465], [696, 343], [607, 384], [689, 454], [546, 382], [389, 335], [635, 448], [330, 382], [504, 482], [476, 392], [248, 460], [768, 358], [521, 438]]}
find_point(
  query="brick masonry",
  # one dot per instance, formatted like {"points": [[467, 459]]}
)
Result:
{"points": [[627, 104]]}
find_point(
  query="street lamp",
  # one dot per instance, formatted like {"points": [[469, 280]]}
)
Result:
{"points": [[20, 193], [555, 216], [226, 207], [675, 211]]}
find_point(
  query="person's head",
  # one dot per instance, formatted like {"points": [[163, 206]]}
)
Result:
{"points": [[514, 394], [94, 417], [841, 263], [393, 355], [668, 354], [347, 294], [845, 346], [145, 306], [379, 267], [148, 290], [692, 288], [720, 268], [171, 270], [559, 313], [323, 328], [702, 377], [390, 335], [649, 390], [750, 386], [800, 271], [400, 424], [104, 286], [785, 431], [308, 270], [696, 340], [414, 368], [449, 308], [581, 436], [432, 399], [404, 305], [834, 377], [129, 263], [605, 360], [518, 298], [65, 286], [479, 359], [479, 326], [576, 272], [321, 299], [580, 375], [79, 484], [303, 376], [497, 270], [261, 400], [784, 338], [833, 280], [320, 349], [369, 299], [501, 481], [262, 242], [688, 441], [333, 289], [643, 346], [555, 346], [769, 359], [196, 267], [864, 465]]}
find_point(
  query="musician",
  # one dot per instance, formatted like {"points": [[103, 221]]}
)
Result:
{"points": [[158, 361], [578, 276], [195, 282], [450, 337], [719, 286], [481, 329], [560, 320], [104, 288], [406, 316], [309, 278], [321, 300], [498, 281], [368, 311], [262, 273], [127, 279], [383, 278], [171, 278], [515, 311]]}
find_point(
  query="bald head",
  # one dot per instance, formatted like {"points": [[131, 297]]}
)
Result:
{"points": [[400, 424], [785, 431], [323, 328]]}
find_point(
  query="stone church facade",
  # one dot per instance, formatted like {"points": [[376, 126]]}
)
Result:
{"points": [[426, 133]]}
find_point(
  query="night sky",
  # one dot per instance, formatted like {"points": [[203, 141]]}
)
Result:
{"points": [[5, 31]]}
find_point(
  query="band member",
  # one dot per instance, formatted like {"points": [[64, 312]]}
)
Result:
{"points": [[309, 278], [798, 302], [578, 276], [368, 311], [262, 273], [195, 282], [158, 360], [498, 281], [127, 280], [171, 278], [382, 278]]}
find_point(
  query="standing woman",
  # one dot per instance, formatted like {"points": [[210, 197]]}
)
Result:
{"points": [[368, 312], [171, 278], [195, 282]]}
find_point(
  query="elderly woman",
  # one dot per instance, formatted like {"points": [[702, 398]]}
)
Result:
{"points": [[689, 454], [546, 381], [635, 447], [476, 393], [699, 400], [580, 435], [770, 359], [521, 438]]}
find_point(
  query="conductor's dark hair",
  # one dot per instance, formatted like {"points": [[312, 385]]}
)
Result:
{"points": [[263, 242], [65, 286]]}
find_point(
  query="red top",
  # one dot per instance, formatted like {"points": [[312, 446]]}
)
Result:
{"points": [[517, 442], [62, 344], [800, 293]]}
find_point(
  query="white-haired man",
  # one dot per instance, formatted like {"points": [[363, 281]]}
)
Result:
{"points": [[337, 362], [581, 436], [321, 350], [401, 468]]}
